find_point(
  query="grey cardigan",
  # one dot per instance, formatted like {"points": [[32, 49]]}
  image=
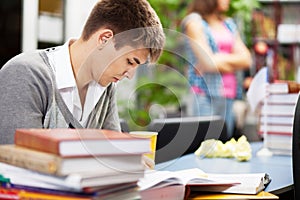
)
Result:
{"points": [[29, 98]]}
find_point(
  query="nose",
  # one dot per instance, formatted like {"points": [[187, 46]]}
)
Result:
{"points": [[130, 73]]}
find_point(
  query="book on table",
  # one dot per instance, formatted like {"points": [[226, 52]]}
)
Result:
{"points": [[56, 165], [283, 87], [277, 116], [11, 193], [278, 109], [106, 163], [273, 119], [194, 176], [279, 143], [116, 192], [81, 142], [289, 98], [75, 182], [276, 128], [278, 88], [196, 180]]}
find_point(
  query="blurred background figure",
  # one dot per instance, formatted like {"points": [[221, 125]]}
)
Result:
{"points": [[216, 53]]}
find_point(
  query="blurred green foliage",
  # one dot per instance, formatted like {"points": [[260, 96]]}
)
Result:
{"points": [[159, 88], [241, 10], [171, 12]]}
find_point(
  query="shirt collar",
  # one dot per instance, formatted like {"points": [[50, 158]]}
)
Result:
{"points": [[63, 68]]}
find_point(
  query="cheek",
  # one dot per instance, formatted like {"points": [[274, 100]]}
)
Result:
{"points": [[119, 66]]}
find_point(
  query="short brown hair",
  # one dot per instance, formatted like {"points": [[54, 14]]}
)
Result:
{"points": [[125, 15], [203, 7]]}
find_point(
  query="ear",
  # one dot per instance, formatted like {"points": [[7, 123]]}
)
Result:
{"points": [[104, 36]]}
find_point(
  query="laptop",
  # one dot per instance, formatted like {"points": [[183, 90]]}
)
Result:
{"points": [[179, 136]]}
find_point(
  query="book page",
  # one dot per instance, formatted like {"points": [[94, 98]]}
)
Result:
{"points": [[20, 176], [250, 183], [257, 90], [192, 176], [155, 178]]}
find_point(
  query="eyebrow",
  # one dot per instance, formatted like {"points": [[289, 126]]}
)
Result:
{"points": [[137, 61]]}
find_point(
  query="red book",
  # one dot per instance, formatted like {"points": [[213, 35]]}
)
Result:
{"points": [[81, 142]]}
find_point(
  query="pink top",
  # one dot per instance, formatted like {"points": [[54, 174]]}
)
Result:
{"points": [[225, 41]]}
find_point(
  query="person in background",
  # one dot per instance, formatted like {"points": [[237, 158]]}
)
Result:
{"points": [[73, 85], [216, 53]]}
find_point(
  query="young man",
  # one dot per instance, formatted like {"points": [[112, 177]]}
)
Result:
{"points": [[74, 85]]}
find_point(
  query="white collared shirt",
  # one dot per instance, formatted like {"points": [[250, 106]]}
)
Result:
{"points": [[59, 59]]}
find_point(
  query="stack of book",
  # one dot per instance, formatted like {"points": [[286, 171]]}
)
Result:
{"points": [[277, 116], [71, 163]]}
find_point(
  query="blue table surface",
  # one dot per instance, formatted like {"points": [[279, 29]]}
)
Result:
{"points": [[278, 167]]}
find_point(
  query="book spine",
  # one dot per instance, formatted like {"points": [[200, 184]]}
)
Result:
{"points": [[275, 133], [38, 143], [276, 128], [45, 164]]}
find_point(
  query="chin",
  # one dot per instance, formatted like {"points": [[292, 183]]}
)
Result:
{"points": [[103, 84]]}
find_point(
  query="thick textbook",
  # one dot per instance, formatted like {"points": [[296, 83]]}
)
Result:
{"points": [[278, 109], [283, 87], [276, 128], [280, 143], [289, 98], [81, 142], [56, 165], [283, 120]]}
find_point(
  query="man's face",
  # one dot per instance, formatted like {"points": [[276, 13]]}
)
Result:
{"points": [[123, 63]]}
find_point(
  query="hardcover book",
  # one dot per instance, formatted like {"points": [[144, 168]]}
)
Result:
{"points": [[56, 165], [290, 98], [278, 109], [276, 128], [282, 120], [81, 142], [283, 86]]}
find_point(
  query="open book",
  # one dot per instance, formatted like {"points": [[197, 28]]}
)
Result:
{"points": [[189, 177], [196, 180]]}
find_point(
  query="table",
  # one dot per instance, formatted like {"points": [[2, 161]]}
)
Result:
{"points": [[278, 167]]}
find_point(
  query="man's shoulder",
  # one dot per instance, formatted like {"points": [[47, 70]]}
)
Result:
{"points": [[26, 60], [29, 65]]}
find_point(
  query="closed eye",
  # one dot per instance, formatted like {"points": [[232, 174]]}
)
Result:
{"points": [[129, 62]]}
